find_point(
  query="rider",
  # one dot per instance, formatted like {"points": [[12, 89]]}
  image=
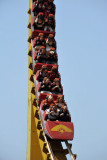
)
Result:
{"points": [[50, 23], [39, 21], [50, 42]]}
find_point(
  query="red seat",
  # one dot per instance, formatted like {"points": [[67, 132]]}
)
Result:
{"points": [[42, 105], [34, 55], [45, 116], [37, 75], [38, 87], [33, 20], [33, 42], [33, 6]]}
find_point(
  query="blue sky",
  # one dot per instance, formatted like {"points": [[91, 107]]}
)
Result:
{"points": [[81, 34]]}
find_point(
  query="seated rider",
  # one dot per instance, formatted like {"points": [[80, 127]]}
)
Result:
{"points": [[37, 40], [40, 41], [60, 101], [54, 73], [50, 42], [63, 114], [52, 56], [39, 21], [38, 6], [50, 23], [51, 113], [41, 56], [49, 8], [43, 73], [45, 85], [48, 101], [56, 86]]}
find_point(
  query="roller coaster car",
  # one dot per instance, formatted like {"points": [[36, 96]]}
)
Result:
{"points": [[49, 62], [38, 66], [43, 94], [57, 129], [36, 32], [39, 90], [45, 39], [36, 76]]}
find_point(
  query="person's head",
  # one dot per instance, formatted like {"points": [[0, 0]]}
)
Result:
{"points": [[45, 71], [41, 36], [52, 50], [40, 4], [46, 4], [54, 108], [41, 16], [65, 108], [42, 50], [43, 67], [57, 80], [54, 69], [57, 83], [50, 98], [50, 17], [47, 80], [51, 38], [60, 99]]}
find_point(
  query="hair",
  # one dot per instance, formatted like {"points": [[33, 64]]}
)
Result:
{"points": [[49, 97]]}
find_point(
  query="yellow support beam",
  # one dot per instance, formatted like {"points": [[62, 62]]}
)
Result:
{"points": [[29, 121], [36, 153], [36, 145], [33, 146]]}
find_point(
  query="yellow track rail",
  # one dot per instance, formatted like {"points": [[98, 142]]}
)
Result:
{"points": [[39, 147]]}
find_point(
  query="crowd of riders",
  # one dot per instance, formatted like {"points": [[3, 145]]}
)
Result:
{"points": [[50, 80], [56, 110], [45, 47], [44, 11], [48, 42]]}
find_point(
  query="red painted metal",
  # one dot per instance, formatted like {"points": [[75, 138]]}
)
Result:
{"points": [[60, 130]]}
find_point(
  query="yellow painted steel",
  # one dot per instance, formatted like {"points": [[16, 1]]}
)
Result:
{"points": [[36, 145], [29, 121], [33, 146]]}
